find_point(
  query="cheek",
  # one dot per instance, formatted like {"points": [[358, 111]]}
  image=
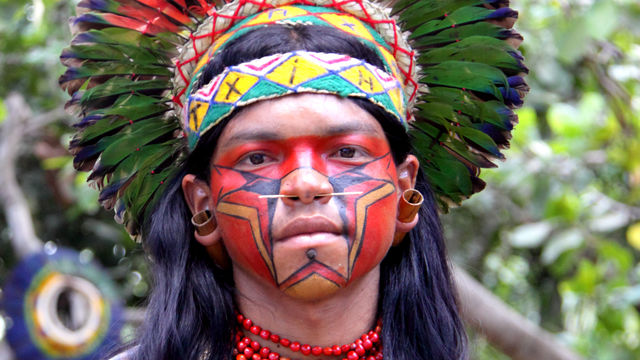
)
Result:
{"points": [[371, 215], [242, 218], [377, 231]]}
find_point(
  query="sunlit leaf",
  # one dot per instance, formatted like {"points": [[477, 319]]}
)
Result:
{"points": [[633, 235], [3, 111], [529, 235], [612, 252], [566, 240], [610, 222]]}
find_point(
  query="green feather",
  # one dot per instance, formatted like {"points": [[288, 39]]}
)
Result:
{"points": [[441, 114], [91, 69], [133, 137], [445, 172], [140, 196], [478, 49], [479, 111], [117, 53], [164, 42], [458, 17], [148, 158], [120, 85], [135, 106], [480, 139], [436, 135], [466, 75], [414, 13], [449, 35], [115, 119]]}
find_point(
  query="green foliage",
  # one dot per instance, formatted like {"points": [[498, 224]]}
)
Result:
{"points": [[65, 210], [559, 234]]}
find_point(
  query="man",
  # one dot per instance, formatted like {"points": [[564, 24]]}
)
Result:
{"points": [[292, 160]]}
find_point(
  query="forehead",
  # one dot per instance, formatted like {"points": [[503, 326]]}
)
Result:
{"points": [[298, 115]]}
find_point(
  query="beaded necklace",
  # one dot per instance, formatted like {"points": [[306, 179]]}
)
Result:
{"points": [[367, 347]]}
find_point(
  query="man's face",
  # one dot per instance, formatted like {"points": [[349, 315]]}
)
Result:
{"points": [[305, 191]]}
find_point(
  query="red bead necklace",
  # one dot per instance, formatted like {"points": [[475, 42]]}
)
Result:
{"points": [[367, 347]]}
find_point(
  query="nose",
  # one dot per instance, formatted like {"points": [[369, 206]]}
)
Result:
{"points": [[305, 185]]}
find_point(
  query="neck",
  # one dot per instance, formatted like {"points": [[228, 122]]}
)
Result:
{"points": [[339, 319]]}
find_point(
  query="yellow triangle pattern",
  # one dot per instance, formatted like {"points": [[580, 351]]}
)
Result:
{"points": [[287, 73]]}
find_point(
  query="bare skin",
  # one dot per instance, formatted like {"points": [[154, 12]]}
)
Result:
{"points": [[305, 146]]}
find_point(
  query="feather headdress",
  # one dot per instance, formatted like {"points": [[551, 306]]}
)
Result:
{"points": [[131, 62]]}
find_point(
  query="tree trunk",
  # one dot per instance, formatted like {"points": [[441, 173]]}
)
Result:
{"points": [[505, 329], [16, 209]]}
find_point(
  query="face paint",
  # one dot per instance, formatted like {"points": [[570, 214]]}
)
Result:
{"points": [[308, 245]]}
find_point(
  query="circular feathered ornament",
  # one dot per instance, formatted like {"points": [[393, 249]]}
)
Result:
{"points": [[60, 308]]}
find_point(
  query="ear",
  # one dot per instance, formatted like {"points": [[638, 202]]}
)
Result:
{"points": [[197, 194], [407, 174]]}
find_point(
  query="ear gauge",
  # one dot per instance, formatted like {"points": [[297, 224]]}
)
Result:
{"points": [[205, 224], [408, 208]]}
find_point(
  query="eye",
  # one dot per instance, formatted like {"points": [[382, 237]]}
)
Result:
{"points": [[347, 152], [256, 159], [351, 154]]}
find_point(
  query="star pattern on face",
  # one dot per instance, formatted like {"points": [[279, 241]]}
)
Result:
{"points": [[243, 202]]}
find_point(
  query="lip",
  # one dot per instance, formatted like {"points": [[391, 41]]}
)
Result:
{"points": [[307, 225]]}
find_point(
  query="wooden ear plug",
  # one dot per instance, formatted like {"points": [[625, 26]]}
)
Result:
{"points": [[408, 208], [203, 222]]}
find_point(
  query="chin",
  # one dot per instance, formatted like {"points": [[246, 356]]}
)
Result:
{"points": [[313, 288]]}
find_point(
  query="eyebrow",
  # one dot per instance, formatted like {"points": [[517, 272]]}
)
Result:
{"points": [[268, 135], [254, 135], [351, 127]]}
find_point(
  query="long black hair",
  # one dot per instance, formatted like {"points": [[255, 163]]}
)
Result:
{"points": [[190, 314]]}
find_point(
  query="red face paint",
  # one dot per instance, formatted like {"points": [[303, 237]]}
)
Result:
{"points": [[307, 244], [345, 237]]}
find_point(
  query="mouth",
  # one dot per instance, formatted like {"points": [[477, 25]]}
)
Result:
{"points": [[307, 225]]}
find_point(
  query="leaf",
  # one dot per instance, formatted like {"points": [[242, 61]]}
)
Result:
{"points": [[56, 163], [3, 111], [529, 235], [585, 280], [612, 252], [633, 235], [610, 222], [566, 240]]}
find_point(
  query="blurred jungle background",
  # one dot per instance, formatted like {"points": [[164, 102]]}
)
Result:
{"points": [[556, 234]]}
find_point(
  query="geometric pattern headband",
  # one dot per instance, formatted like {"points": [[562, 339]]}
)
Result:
{"points": [[291, 73]]}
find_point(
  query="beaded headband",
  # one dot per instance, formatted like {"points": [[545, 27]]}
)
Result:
{"points": [[291, 73], [132, 62]]}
